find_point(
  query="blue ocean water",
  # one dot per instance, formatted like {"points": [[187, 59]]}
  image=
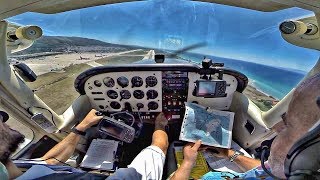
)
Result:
{"points": [[273, 81]]}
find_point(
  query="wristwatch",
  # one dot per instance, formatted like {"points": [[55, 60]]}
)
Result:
{"points": [[76, 131], [235, 155]]}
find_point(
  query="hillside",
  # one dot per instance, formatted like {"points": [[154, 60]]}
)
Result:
{"points": [[72, 44]]}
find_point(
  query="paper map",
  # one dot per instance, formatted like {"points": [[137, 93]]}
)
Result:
{"points": [[212, 127]]}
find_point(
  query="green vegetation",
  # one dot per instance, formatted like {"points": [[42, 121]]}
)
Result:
{"points": [[56, 89], [263, 105], [263, 101], [119, 60]]}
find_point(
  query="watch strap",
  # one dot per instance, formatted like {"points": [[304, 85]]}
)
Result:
{"points": [[76, 131], [235, 155]]}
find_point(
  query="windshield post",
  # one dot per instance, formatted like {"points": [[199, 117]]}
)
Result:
{"points": [[3, 49]]}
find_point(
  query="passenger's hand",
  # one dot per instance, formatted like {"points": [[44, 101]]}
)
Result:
{"points": [[219, 152], [90, 120], [190, 153]]}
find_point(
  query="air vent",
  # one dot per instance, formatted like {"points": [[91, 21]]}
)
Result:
{"points": [[99, 99], [249, 126], [97, 93]]}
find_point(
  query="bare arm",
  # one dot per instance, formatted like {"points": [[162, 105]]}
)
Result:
{"points": [[183, 172], [64, 150], [246, 163], [243, 162], [190, 153]]}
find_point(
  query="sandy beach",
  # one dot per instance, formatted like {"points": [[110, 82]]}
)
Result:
{"points": [[261, 99]]}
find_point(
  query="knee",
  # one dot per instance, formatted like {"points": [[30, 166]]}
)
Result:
{"points": [[162, 144]]}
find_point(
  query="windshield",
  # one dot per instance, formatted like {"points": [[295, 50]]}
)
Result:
{"points": [[245, 40]]}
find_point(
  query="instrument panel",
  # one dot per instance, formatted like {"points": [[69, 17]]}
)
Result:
{"points": [[147, 90], [113, 91]]}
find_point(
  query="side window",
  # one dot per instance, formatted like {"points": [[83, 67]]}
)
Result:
{"points": [[23, 129]]}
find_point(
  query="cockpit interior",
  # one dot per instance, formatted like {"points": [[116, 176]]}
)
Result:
{"points": [[47, 90]]}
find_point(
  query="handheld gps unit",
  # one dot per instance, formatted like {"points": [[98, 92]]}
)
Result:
{"points": [[211, 89], [117, 129]]}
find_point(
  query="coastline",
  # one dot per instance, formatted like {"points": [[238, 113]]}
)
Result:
{"points": [[258, 97], [262, 99], [252, 85]]}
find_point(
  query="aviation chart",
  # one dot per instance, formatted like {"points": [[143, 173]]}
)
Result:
{"points": [[212, 127]]}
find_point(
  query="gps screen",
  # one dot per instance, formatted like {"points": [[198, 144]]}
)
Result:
{"points": [[206, 88]]}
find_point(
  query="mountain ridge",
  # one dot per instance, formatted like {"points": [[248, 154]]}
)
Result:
{"points": [[73, 44]]}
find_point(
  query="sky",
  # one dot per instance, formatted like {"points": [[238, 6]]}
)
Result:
{"points": [[229, 32]]}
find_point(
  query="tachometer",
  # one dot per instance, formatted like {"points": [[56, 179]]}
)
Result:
{"points": [[112, 94], [138, 94], [151, 81], [153, 105], [152, 94], [123, 81], [108, 81], [125, 94], [137, 81]]}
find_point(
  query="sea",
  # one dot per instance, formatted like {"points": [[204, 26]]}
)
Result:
{"points": [[273, 81]]}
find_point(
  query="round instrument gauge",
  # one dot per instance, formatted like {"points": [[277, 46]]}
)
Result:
{"points": [[152, 94], [123, 81], [137, 81], [138, 94], [140, 106], [115, 105], [151, 81], [125, 94], [153, 105], [97, 83], [112, 94], [108, 81]]}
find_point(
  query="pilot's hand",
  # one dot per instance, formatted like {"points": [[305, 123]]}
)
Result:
{"points": [[219, 152], [161, 121], [190, 153], [90, 120]]}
